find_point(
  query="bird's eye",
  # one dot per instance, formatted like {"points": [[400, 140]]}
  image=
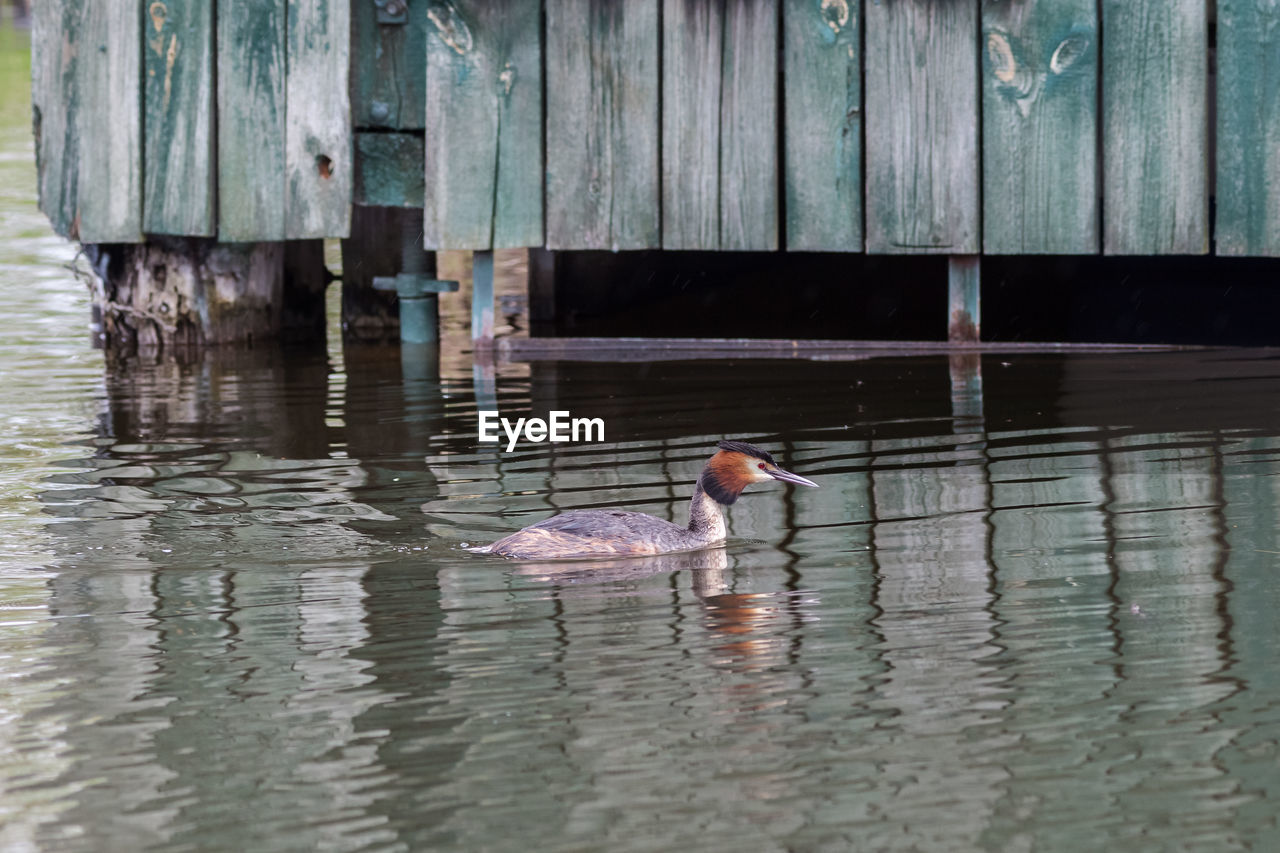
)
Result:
{"points": [[761, 466]]}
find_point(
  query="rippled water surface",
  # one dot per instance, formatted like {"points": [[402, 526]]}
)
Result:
{"points": [[1033, 605]]}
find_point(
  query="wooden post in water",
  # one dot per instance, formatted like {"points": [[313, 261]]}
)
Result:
{"points": [[182, 292], [372, 251], [964, 278], [482, 300]]}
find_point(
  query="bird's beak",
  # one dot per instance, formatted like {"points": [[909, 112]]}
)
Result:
{"points": [[788, 477]]}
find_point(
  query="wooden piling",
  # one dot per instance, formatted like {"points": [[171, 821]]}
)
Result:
{"points": [[174, 293], [964, 291], [372, 251], [482, 300]]}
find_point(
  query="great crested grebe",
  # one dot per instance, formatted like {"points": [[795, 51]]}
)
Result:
{"points": [[607, 532]]}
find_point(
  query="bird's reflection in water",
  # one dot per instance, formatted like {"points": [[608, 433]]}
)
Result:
{"points": [[747, 629], [708, 566]]}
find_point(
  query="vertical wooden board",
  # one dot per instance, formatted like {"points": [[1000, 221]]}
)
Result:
{"points": [[822, 94], [318, 149], [388, 77], [603, 189], [1248, 109], [109, 123], [1155, 126], [692, 31], [484, 165], [922, 126], [55, 29], [178, 64], [749, 126], [1039, 127], [251, 120]]}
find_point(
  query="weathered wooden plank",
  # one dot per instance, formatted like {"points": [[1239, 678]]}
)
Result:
{"points": [[484, 163], [318, 155], [251, 120], [692, 35], [109, 123], [178, 61], [1154, 118], [719, 125], [389, 169], [823, 125], [1248, 108], [922, 126], [1039, 127], [388, 77], [603, 189], [749, 127], [55, 34]]}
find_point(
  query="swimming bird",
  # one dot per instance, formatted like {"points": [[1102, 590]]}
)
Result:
{"points": [[607, 532]]}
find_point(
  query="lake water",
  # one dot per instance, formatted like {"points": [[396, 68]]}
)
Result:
{"points": [[1033, 605]]}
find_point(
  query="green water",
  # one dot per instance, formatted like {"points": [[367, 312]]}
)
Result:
{"points": [[1033, 605]]}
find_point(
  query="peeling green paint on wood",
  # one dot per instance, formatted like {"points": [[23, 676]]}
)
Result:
{"points": [[1248, 104], [823, 125], [388, 77], [87, 104], [1155, 134], [603, 180], [484, 164], [719, 125], [251, 120], [179, 162], [389, 169], [318, 156], [922, 126], [1039, 133], [55, 37]]}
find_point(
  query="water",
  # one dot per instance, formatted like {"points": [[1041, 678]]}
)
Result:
{"points": [[1032, 606]]}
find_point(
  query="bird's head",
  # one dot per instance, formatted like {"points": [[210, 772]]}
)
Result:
{"points": [[736, 466]]}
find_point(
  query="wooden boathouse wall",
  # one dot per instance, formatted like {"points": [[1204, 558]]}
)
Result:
{"points": [[955, 127]]}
